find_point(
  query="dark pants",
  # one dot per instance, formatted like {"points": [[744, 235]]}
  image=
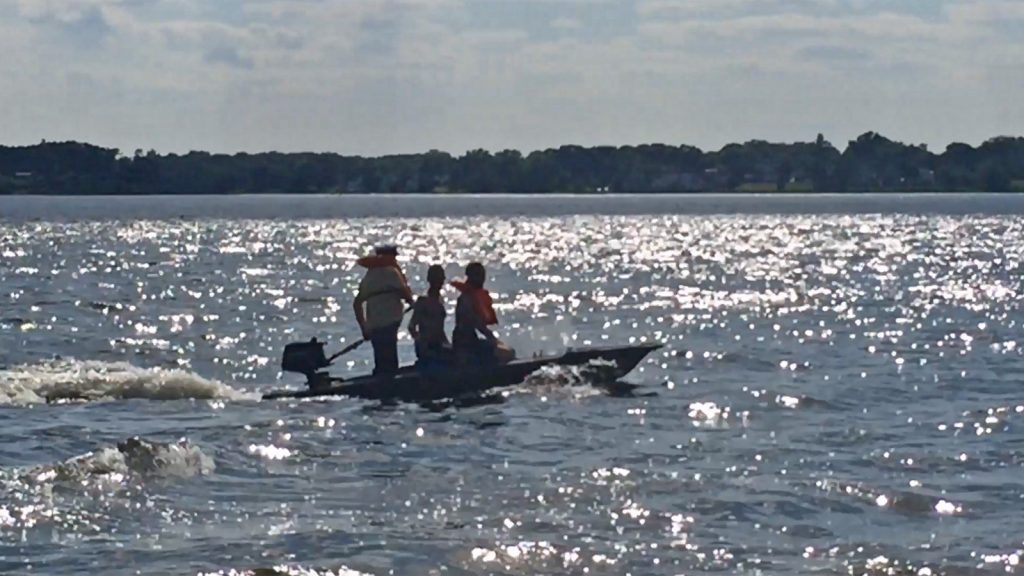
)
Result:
{"points": [[433, 357], [475, 351], [385, 349]]}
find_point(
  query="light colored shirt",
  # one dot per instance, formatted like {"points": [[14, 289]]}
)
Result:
{"points": [[382, 290]]}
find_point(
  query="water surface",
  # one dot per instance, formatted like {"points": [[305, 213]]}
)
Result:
{"points": [[840, 389]]}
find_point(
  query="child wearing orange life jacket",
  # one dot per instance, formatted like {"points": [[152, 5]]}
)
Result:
{"points": [[474, 314]]}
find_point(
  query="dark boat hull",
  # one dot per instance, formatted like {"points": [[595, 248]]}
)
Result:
{"points": [[413, 385]]}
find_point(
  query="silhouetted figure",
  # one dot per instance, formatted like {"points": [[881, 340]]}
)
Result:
{"points": [[427, 323], [382, 291], [474, 314]]}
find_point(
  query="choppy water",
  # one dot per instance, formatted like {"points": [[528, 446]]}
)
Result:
{"points": [[840, 391]]}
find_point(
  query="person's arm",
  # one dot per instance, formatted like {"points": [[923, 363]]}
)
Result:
{"points": [[405, 290], [414, 322], [357, 308], [478, 323], [488, 334]]}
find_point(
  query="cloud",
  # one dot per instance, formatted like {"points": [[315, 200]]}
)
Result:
{"points": [[230, 56], [985, 11], [833, 54], [565, 23], [394, 76], [82, 24]]}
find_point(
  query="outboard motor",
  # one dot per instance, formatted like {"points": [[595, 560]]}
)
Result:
{"points": [[306, 358]]}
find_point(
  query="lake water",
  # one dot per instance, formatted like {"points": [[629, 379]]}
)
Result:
{"points": [[840, 390]]}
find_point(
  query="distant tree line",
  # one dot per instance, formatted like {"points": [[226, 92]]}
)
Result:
{"points": [[871, 163]]}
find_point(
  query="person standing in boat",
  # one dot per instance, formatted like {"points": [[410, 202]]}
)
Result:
{"points": [[427, 323], [378, 306], [474, 315]]}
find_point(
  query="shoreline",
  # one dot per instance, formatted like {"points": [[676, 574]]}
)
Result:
{"points": [[286, 207], [871, 163]]}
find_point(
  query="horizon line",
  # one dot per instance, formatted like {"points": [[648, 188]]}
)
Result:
{"points": [[123, 153]]}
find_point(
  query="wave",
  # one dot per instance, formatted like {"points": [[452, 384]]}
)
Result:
{"points": [[768, 397], [593, 372], [68, 379], [903, 501], [749, 361], [134, 457], [29, 495], [593, 378], [285, 570]]}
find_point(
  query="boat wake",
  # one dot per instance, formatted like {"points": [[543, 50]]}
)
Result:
{"points": [[286, 570], [66, 380], [76, 493], [589, 379], [130, 461], [131, 458]]}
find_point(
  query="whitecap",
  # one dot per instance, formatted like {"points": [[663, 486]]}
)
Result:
{"points": [[133, 457], [572, 381], [69, 379], [286, 570]]}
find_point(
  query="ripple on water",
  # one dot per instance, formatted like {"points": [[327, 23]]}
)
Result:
{"points": [[839, 393], [94, 494], [286, 570]]}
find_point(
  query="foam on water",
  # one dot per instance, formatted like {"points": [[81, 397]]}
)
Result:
{"points": [[65, 379], [568, 381], [93, 493], [134, 457], [286, 570]]}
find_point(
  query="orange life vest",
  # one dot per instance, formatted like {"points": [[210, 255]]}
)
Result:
{"points": [[381, 261], [482, 303]]}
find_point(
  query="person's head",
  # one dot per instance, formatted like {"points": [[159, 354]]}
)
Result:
{"points": [[386, 250], [435, 276], [476, 275]]}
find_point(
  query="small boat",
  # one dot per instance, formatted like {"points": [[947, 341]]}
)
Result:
{"points": [[412, 384]]}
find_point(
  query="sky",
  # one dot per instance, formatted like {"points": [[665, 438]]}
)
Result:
{"points": [[406, 76]]}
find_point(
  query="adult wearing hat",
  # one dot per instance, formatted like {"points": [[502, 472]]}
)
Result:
{"points": [[378, 306]]}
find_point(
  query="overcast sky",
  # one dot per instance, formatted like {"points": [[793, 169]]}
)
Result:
{"points": [[377, 77]]}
